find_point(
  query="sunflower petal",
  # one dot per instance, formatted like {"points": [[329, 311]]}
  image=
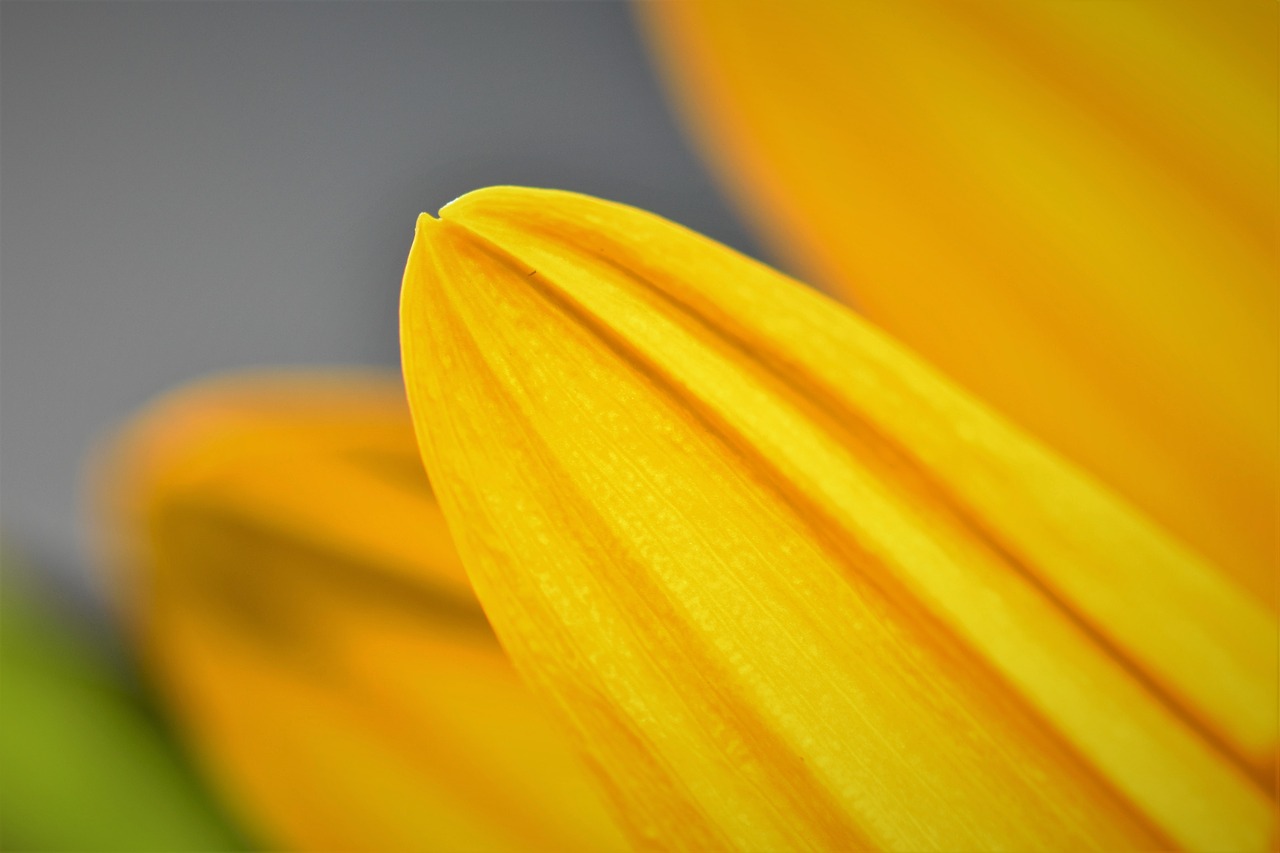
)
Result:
{"points": [[792, 588], [295, 594], [1069, 208]]}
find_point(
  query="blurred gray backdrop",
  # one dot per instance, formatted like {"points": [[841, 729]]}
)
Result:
{"points": [[191, 187]]}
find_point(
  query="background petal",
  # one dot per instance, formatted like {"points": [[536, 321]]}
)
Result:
{"points": [[294, 592], [1068, 207]]}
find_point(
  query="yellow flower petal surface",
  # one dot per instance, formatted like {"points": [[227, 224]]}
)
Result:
{"points": [[297, 599], [1070, 208], [793, 589]]}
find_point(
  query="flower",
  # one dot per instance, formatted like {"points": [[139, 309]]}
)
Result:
{"points": [[791, 588], [783, 583]]}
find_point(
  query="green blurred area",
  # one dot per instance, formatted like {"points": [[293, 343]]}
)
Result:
{"points": [[85, 763]]}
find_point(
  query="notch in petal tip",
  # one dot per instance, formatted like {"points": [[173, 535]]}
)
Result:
{"points": [[425, 222]]}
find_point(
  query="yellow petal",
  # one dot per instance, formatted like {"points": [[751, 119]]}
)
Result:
{"points": [[1068, 207], [296, 597], [792, 588]]}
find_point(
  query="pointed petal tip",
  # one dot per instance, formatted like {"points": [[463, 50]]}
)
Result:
{"points": [[425, 222]]}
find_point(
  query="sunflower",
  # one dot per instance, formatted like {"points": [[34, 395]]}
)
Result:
{"points": [[709, 560]]}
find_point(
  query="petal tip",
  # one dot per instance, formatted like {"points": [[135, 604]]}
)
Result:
{"points": [[425, 223]]}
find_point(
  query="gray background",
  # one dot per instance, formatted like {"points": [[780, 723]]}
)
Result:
{"points": [[191, 187]]}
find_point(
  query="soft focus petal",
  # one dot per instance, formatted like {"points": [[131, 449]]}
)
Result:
{"points": [[1069, 207], [294, 591], [794, 590]]}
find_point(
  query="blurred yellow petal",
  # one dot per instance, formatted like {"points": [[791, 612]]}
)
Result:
{"points": [[1068, 207], [793, 589], [294, 592]]}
